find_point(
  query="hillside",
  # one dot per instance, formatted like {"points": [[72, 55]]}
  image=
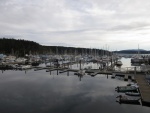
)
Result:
{"points": [[133, 51], [21, 47]]}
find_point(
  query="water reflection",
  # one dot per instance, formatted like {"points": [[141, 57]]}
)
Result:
{"points": [[40, 92]]}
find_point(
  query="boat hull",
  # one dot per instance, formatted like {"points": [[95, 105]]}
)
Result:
{"points": [[126, 89], [132, 94], [127, 100]]}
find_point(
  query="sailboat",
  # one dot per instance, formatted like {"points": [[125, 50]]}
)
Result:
{"points": [[137, 58]]}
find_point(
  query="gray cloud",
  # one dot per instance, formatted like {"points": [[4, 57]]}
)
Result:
{"points": [[80, 23]]}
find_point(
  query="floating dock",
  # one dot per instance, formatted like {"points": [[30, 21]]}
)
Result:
{"points": [[144, 89]]}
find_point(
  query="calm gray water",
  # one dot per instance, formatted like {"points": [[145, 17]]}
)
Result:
{"points": [[40, 92]]}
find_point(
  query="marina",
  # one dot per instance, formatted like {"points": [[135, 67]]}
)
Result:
{"points": [[74, 56], [77, 69]]}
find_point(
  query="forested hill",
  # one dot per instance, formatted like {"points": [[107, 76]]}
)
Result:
{"points": [[21, 47], [133, 51]]}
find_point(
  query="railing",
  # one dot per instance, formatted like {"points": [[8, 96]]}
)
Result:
{"points": [[128, 69]]}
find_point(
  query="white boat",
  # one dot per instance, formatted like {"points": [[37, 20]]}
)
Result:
{"points": [[133, 84], [22, 67], [126, 89], [125, 99], [118, 63], [133, 93], [137, 60], [26, 67], [21, 60]]}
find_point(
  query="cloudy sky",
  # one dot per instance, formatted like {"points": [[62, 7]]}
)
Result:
{"points": [[111, 24]]}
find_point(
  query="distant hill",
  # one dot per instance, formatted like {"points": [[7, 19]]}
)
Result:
{"points": [[20, 47], [133, 51]]}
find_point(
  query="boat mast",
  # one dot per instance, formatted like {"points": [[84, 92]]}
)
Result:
{"points": [[138, 51]]}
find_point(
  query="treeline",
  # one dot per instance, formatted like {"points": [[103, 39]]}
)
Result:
{"points": [[20, 47]]}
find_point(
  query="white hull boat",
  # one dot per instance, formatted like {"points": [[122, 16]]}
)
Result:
{"points": [[118, 63], [133, 93]]}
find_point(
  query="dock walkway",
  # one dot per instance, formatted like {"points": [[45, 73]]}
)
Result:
{"points": [[144, 89]]}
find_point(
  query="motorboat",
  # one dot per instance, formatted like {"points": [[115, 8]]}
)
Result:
{"points": [[22, 67], [126, 89], [118, 63], [126, 99], [132, 93], [133, 84]]}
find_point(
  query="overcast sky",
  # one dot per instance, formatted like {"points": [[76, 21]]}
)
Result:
{"points": [[111, 24]]}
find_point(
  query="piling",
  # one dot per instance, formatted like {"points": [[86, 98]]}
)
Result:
{"points": [[57, 71], [126, 77], [80, 64], [134, 70]]}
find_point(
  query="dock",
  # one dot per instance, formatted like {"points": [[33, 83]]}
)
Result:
{"points": [[97, 71], [92, 72], [67, 70], [144, 89]]}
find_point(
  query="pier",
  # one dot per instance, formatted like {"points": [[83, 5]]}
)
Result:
{"points": [[144, 89], [92, 72]]}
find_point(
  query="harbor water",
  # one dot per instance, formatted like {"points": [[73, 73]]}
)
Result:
{"points": [[41, 92]]}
